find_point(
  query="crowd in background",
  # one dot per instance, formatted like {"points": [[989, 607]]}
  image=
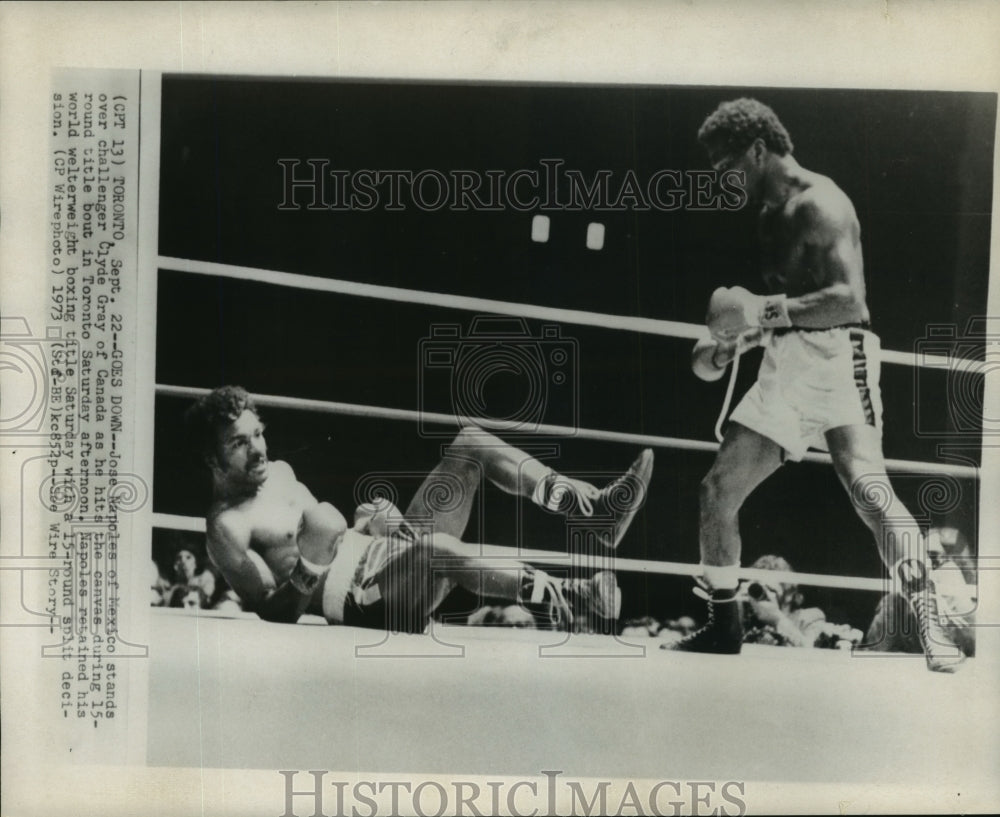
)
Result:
{"points": [[190, 582], [774, 613]]}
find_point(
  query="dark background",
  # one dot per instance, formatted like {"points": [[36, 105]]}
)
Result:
{"points": [[917, 165]]}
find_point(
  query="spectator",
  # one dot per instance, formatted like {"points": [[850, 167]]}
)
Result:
{"points": [[668, 631], [189, 573], [773, 614], [159, 587], [190, 598]]}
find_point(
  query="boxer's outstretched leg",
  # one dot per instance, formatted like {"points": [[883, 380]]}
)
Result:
{"points": [[745, 459], [446, 496], [418, 574], [857, 459]]}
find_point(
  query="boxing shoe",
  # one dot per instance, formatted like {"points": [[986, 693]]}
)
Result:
{"points": [[577, 605], [722, 633], [623, 498], [618, 501], [940, 650], [595, 601]]}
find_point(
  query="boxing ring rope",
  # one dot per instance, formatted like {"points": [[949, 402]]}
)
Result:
{"points": [[649, 326], [628, 323], [384, 413], [197, 525], [194, 524]]}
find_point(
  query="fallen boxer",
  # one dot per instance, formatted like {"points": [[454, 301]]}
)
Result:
{"points": [[285, 553]]}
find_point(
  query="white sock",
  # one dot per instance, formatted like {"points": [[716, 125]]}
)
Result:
{"points": [[538, 587], [726, 577]]}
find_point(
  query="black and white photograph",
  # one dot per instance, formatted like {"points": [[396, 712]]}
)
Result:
{"points": [[509, 439]]}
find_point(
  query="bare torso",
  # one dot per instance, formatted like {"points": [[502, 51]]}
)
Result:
{"points": [[812, 241], [272, 515]]}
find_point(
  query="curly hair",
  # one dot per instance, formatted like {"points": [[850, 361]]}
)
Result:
{"points": [[771, 562], [213, 412], [737, 123]]}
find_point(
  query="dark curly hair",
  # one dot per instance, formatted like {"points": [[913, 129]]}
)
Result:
{"points": [[735, 125], [213, 412]]}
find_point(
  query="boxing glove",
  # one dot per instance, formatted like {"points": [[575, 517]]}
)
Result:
{"points": [[734, 310]]}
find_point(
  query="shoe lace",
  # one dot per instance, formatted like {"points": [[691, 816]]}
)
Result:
{"points": [[619, 492], [559, 607], [925, 606], [705, 628]]}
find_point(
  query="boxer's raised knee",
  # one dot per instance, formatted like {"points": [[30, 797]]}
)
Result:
{"points": [[471, 436], [465, 435], [460, 457]]}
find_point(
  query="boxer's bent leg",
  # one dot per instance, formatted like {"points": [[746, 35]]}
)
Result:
{"points": [[420, 572], [445, 497], [745, 459], [560, 602], [407, 577], [444, 500], [398, 590], [457, 563], [857, 458]]}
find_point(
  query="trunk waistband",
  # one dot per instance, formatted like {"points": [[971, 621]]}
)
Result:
{"points": [[784, 330]]}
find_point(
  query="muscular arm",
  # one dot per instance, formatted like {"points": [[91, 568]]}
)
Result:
{"points": [[249, 575], [831, 254]]}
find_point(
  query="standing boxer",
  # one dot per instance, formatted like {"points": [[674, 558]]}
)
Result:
{"points": [[818, 381], [285, 553]]}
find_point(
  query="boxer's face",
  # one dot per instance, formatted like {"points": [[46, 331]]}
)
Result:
{"points": [[242, 457], [744, 161]]}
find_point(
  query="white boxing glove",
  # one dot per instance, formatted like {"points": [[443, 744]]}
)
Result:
{"points": [[734, 310], [710, 357]]}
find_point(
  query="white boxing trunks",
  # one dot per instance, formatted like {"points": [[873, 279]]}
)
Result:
{"points": [[811, 381], [339, 581], [378, 577]]}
